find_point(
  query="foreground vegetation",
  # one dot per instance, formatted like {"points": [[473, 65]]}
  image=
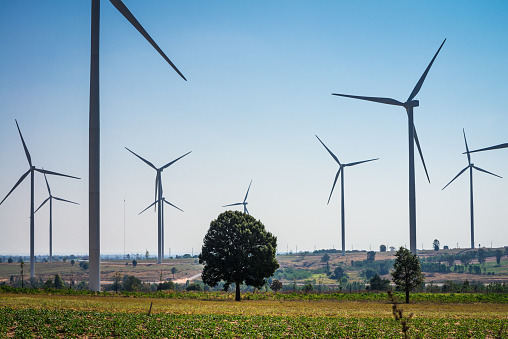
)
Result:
{"points": [[52, 316]]}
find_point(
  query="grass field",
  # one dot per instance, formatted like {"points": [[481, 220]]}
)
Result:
{"points": [[58, 316]]}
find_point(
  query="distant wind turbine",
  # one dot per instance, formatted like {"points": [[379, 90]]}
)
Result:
{"points": [[50, 199], [162, 215], [244, 203], [94, 228], [408, 105], [341, 173], [31, 171], [159, 200], [470, 166]]}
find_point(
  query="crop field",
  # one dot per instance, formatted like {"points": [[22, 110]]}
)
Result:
{"points": [[81, 316]]}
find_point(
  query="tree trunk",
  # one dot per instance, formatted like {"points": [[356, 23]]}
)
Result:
{"points": [[407, 295], [237, 298]]}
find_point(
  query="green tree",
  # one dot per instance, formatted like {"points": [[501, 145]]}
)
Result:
{"points": [[131, 283], [134, 262], [72, 262], [378, 284], [325, 257], [147, 254], [371, 256], [435, 245], [118, 277], [499, 255], [450, 259], [22, 274], [59, 283], [9, 260], [406, 272], [173, 271], [482, 256], [194, 287], [338, 273], [237, 249], [276, 285], [307, 287], [382, 248]]}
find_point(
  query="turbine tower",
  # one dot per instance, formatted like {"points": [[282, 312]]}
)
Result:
{"points": [[31, 171], [159, 200], [94, 135], [50, 199], [470, 166], [341, 173], [162, 217], [413, 138], [244, 203]]}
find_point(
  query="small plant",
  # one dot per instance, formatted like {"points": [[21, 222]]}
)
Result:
{"points": [[398, 314]]}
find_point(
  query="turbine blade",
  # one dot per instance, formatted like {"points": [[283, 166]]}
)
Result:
{"points": [[167, 202], [128, 15], [455, 177], [490, 148], [47, 185], [41, 205], [421, 153], [146, 161], [55, 173], [424, 75], [375, 99], [238, 203], [333, 155], [245, 210], [16, 185], [72, 202], [24, 146], [153, 203], [244, 200], [172, 162], [359, 162], [334, 182], [467, 148], [482, 170]]}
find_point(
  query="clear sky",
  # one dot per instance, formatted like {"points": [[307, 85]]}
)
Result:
{"points": [[260, 77]]}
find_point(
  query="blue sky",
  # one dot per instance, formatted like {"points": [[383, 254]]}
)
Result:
{"points": [[260, 77]]}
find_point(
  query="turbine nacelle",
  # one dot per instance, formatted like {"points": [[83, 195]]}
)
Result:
{"points": [[412, 103]]}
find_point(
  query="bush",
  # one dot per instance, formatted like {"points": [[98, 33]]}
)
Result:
{"points": [[378, 284], [194, 287]]}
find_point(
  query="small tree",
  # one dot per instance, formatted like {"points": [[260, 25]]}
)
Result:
{"points": [[435, 245], [9, 260], [131, 283], [22, 274], [482, 256], [118, 277], [407, 273], [134, 262], [392, 248], [325, 257], [147, 254], [72, 262], [378, 284], [371, 256], [450, 259], [307, 287], [382, 248], [499, 255], [338, 273], [276, 285], [173, 271], [238, 249], [59, 283]]}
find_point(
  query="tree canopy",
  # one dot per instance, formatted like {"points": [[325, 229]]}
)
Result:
{"points": [[237, 249], [406, 272]]}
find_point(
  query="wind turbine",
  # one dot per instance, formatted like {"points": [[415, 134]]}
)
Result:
{"points": [[408, 105], [162, 216], [31, 171], [244, 203], [159, 200], [470, 166], [94, 228], [341, 173], [50, 199]]}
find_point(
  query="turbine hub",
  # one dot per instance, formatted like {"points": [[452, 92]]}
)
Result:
{"points": [[412, 103]]}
